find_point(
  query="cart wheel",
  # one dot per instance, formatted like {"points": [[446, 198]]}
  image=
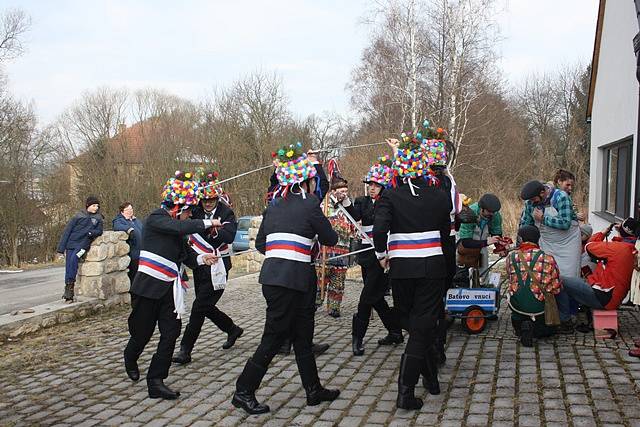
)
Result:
{"points": [[474, 321]]}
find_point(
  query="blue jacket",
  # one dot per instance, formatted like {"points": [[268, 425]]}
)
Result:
{"points": [[80, 231], [120, 223]]}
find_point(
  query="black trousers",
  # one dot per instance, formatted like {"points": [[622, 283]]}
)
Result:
{"points": [[290, 313], [145, 313], [372, 296], [201, 308], [133, 269], [419, 302]]}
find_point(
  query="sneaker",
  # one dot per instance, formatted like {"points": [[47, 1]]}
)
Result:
{"points": [[565, 328]]}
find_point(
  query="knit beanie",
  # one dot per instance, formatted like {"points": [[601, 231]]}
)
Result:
{"points": [[91, 200]]}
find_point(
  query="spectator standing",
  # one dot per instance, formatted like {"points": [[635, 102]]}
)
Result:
{"points": [[76, 239], [127, 222]]}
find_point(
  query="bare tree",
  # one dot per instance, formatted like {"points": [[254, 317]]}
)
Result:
{"points": [[22, 152], [14, 23]]}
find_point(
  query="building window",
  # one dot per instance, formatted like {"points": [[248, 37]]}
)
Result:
{"points": [[617, 178]]}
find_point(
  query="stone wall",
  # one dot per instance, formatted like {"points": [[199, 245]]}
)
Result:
{"points": [[250, 262], [103, 274]]}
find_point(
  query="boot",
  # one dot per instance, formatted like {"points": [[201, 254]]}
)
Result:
{"points": [[409, 372], [285, 348], [430, 372], [235, 333], [68, 291], [317, 394], [440, 341], [318, 349], [392, 338], [247, 401], [184, 356], [358, 330], [311, 383], [157, 389], [131, 367], [526, 333], [246, 386]]}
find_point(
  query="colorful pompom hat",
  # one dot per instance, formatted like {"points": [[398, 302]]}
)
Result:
{"points": [[209, 187], [181, 189], [380, 172], [434, 142], [411, 160], [292, 165]]}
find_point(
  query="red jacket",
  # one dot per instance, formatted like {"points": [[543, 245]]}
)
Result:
{"points": [[616, 261]]}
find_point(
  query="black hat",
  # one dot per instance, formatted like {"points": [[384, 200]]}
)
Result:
{"points": [[338, 182], [529, 233], [629, 226], [490, 202], [91, 200], [531, 189]]}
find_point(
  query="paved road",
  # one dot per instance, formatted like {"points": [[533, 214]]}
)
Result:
{"points": [[72, 375], [30, 288]]}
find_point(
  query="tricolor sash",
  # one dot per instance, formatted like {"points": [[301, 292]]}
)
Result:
{"points": [[166, 270], [368, 230], [414, 245], [218, 271], [288, 246]]}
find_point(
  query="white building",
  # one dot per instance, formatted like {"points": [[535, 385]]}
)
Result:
{"points": [[613, 105]]}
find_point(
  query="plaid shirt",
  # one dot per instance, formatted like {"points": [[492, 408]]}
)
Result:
{"points": [[562, 203], [545, 271]]}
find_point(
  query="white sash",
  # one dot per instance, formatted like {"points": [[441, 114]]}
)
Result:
{"points": [[166, 270], [218, 271]]}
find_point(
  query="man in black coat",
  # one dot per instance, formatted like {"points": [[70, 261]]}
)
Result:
{"points": [[157, 291], [288, 283], [416, 216], [208, 294], [373, 275]]}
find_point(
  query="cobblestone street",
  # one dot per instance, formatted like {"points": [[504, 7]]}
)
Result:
{"points": [[74, 375]]}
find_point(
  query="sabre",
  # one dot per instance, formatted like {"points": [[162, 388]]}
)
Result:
{"points": [[349, 147]]}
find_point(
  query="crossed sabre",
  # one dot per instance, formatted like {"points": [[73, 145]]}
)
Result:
{"points": [[348, 147]]}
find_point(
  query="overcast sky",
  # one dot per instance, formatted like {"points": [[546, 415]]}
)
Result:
{"points": [[190, 47]]}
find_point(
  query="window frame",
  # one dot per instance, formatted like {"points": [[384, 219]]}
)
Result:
{"points": [[628, 196]]}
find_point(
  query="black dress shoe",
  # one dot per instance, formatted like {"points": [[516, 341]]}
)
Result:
{"points": [[247, 401], [183, 357], [318, 349], [232, 337], [318, 394], [392, 338], [132, 370], [157, 389]]}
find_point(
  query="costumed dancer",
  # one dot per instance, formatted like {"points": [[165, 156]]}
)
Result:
{"points": [[373, 275], [210, 281], [333, 277], [286, 235], [321, 189], [410, 224], [434, 141], [157, 291]]}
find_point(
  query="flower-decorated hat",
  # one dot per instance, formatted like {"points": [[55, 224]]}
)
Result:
{"points": [[292, 165], [209, 188], [410, 161], [181, 189], [381, 172], [434, 143]]}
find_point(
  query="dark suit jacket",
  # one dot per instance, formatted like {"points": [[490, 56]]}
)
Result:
{"points": [[399, 211], [295, 215], [165, 236]]}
